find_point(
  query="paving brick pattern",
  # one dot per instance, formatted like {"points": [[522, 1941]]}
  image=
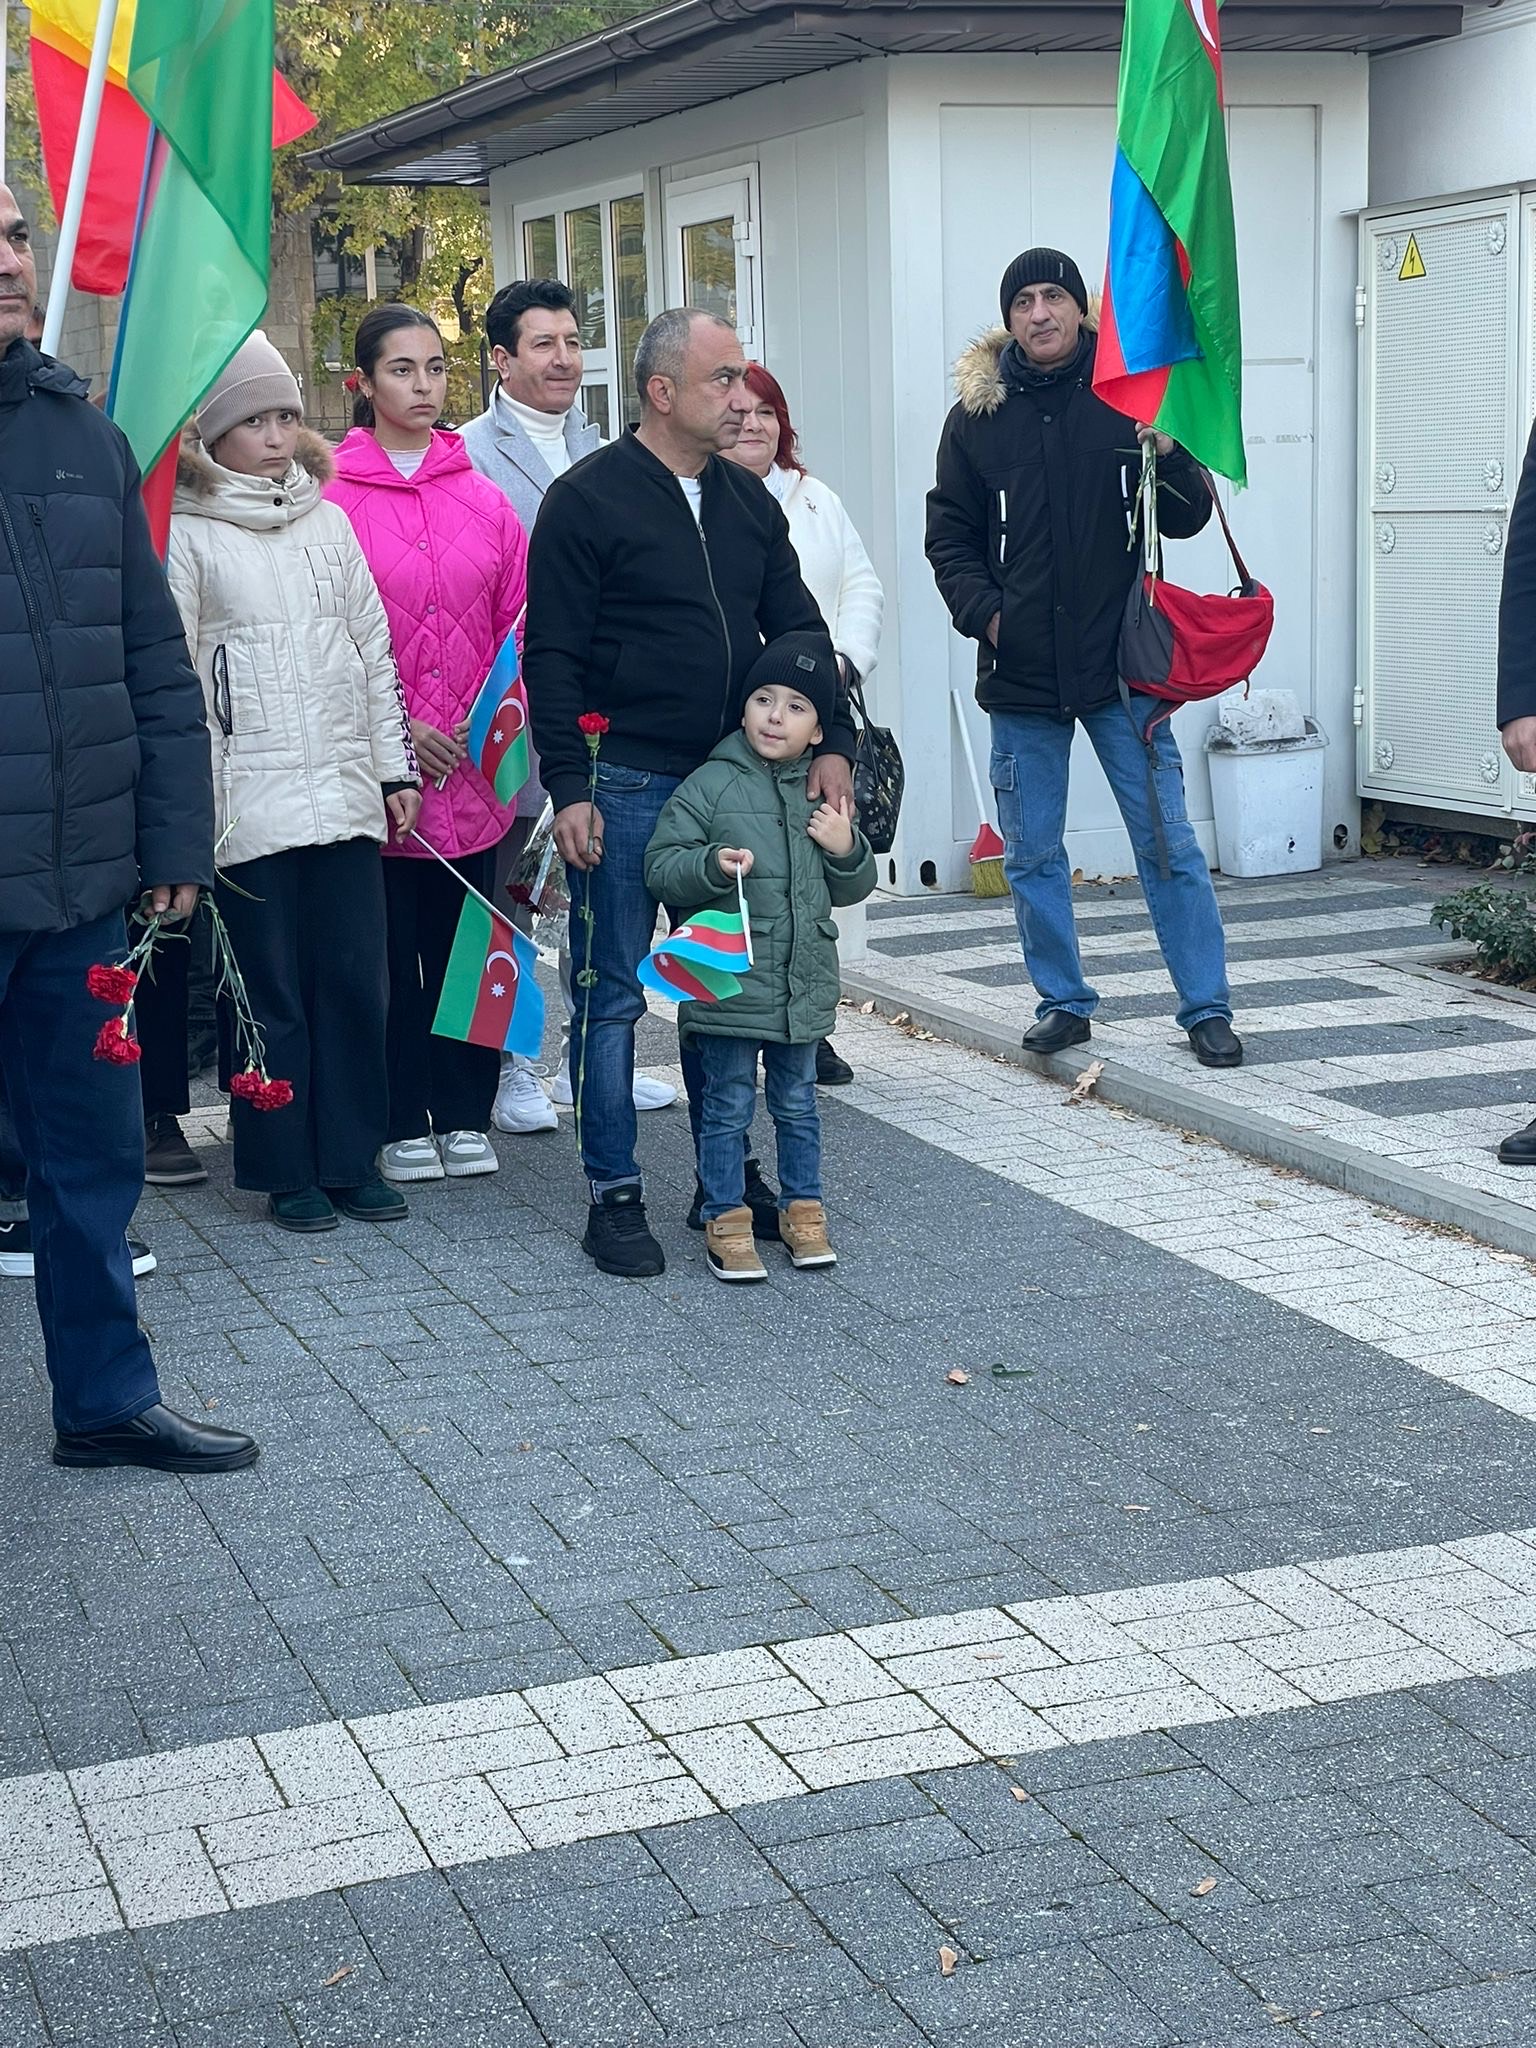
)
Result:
{"points": [[1342, 1042], [515, 1520]]}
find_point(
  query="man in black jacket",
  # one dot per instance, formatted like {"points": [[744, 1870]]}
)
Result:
{"points": [[1516, 706], [105, 788], [1029, 538], [655, 574]]}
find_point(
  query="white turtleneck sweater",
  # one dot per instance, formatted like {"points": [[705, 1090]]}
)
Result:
{"points": [[546, 430]]}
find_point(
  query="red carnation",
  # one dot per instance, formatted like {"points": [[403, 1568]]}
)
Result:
{"points": [[593, 724], [114, 1045], [259, 1092], [113, 985]]}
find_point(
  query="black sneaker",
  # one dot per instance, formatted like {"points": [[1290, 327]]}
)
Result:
{"points": [[832, 1070], [169, 1161], [618, 1238], [16, 1261], [759, 1198]]}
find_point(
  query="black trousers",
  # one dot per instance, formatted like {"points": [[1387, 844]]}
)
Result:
{"points": [[307, 926], [435, 1084], [160, 1020]]}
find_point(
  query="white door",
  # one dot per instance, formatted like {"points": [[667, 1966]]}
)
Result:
{"points": [[1440, 453], [712, 250]]}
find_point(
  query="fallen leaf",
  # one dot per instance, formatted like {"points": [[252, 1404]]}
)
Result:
{"points": [[212, 1404], [337, 1975], [1132, 1507], [525, 1447], [948, 1958], [1086, 1081], [1142, 1428], [1020, 1794], [1203, 1889], [866, 1009], [957, 1378], [1507, 1258], [902, 1017]]}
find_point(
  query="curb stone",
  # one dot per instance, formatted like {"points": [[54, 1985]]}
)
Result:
{"points": [[1509, 1226]]}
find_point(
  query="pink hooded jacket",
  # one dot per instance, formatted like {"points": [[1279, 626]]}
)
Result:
{"points": [[450, 558]]}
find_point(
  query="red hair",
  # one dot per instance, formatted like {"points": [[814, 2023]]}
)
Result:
{"points": [[764, 385]]}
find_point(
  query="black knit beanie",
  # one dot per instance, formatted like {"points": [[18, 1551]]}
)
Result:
{"points": [[1041, 266], [804, 663]]}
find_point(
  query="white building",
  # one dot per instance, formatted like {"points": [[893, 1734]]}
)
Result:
{"points": [[848, 180]]}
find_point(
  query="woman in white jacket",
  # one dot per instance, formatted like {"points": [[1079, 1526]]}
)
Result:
{"points": [[834, 562], [312, 768]]}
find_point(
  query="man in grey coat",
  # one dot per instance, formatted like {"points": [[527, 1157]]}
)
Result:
{"points": [[530, 433]]}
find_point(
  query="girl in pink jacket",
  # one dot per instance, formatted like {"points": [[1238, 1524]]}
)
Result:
{"points": [[450, 557]]}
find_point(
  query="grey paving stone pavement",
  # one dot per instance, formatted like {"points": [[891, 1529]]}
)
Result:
{"points": [[489, 1469]]}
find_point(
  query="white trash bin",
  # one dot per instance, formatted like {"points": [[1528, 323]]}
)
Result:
{"points": [[1267, 801]]}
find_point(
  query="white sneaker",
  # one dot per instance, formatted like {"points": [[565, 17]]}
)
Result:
{"points": [[521, 1104], [653, 1094], [649, 1092], [466, 1153], [411, 1159]]}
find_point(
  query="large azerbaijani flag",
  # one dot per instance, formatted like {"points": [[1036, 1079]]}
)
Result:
{"points": [[1170, 338], [62, 33], [490, 993], [202, 72]]}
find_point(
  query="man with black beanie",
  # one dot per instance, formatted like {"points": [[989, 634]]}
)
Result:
{"points": [[1031, 540]]}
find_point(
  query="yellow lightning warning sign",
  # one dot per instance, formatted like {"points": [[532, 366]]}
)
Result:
{"points": [[1413, 262]]}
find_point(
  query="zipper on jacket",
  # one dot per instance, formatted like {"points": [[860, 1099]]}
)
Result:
{"points": [[725, 631], [39, 630], [42, 548]]}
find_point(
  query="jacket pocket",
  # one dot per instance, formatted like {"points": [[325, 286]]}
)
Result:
{"points": [[38, 515], [244, 694], [827, 926]]}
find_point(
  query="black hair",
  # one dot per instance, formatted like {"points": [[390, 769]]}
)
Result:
{"points": [[373, 330], [513, 300]]}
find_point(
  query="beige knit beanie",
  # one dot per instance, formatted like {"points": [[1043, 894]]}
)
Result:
{"points": [[257, 380]]}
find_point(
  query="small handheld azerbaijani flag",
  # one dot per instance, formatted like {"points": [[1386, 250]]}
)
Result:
{"points": [[490, 994], [1170, 339], [498, 726], [694, 962]]}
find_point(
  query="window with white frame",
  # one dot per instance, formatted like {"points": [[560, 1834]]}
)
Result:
{"points": [[597, 244]]}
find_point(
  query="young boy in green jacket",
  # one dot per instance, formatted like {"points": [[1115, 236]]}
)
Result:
{"points": [[746, 812]]}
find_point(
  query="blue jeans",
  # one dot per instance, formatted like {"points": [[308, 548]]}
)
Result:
{"points": [[80, 1123], [1030, 755], [623, 921], [729, 1098]]}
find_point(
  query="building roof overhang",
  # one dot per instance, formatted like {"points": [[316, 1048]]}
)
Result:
{"points": [[692, 52]]}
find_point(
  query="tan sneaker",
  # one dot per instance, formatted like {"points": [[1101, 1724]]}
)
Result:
{"points": [[728, 1242], [803, 1227]]}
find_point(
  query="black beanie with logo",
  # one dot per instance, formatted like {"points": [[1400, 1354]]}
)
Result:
{"points": [[1041, 266], [804, 663]]}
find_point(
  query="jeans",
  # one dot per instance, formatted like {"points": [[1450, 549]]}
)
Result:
{"points": [[623, 921], [80, 1123], [1030, 755], [729, 1098]]}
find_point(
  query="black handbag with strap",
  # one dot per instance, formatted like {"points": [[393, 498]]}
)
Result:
{"points": [[878, 774]]}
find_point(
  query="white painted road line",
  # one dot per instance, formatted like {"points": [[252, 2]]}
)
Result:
{"points": [[226, 1825]]}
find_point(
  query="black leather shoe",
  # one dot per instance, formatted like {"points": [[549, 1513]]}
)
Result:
{"points": [[371, 1201], [1519, 1149], [305, 1210], [618, 1238], [1215, 1044], [163, 1440], [832, 1070], [759, 1197], [1056, 1030]]}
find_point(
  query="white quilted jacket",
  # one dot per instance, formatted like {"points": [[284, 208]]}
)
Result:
{"points": [[288, 633]]}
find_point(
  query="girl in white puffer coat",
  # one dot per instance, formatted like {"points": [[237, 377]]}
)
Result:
{"points": [[312, 769]]}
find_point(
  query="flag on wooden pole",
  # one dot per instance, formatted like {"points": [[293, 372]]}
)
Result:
{"points": [[1170, 337]]}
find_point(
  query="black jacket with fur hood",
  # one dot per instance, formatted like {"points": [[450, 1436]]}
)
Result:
{"points": [[1029, 517]]}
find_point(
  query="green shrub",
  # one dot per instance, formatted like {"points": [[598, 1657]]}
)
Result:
{"points": [[1501, 924]]}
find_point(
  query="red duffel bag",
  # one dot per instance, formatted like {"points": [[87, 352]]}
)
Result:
{"points": [[1180, 646]]}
